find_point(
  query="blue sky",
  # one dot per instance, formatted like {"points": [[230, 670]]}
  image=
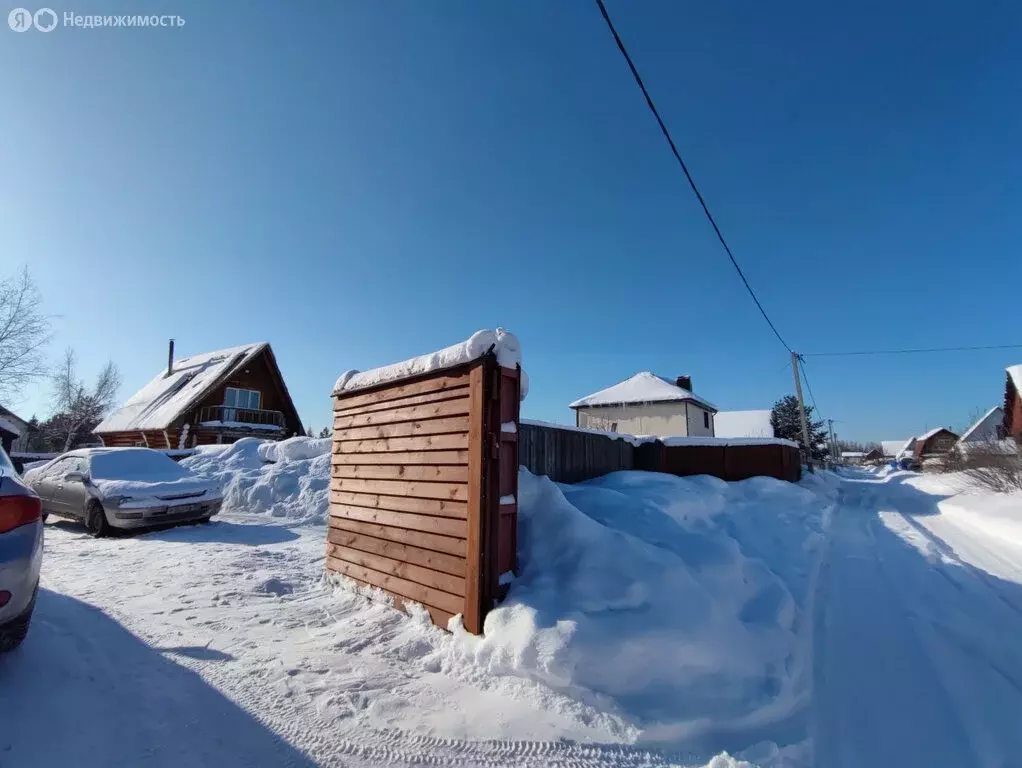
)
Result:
{"points": [[361, 182]]}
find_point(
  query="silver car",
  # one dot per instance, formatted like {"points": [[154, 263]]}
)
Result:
{"points": [[123, 488], [21, 554]]}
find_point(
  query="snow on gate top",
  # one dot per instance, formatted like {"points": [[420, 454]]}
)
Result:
{"points": [[504, 345]]}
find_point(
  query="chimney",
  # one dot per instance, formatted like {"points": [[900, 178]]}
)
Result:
{"points": [[170, 359], [685, 382]]}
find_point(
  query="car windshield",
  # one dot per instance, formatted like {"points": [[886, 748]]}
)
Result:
{"points": [[135, 465]]}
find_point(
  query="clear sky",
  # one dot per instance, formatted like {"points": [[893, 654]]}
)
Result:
{"points": [[360, 182]]}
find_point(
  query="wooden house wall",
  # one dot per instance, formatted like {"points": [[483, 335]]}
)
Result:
{"points": [[257, 375]]}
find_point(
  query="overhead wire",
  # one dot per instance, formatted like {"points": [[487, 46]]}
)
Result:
{"points": [[684, 168]]}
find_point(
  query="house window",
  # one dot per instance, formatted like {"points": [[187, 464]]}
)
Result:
{"points": [[242, 398], [706, 419]]}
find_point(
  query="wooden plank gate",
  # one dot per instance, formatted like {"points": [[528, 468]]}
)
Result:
{"points": [[424, 486]]}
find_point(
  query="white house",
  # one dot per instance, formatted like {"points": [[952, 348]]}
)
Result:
{"points": [[743, 424], [647, 404], [990, 427]]}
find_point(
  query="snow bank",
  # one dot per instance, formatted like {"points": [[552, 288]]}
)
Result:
{"points": [[654, 596], [503, 343], [287, 479]]}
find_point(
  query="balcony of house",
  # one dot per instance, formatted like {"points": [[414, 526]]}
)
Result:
{"points": [[232, 418]]}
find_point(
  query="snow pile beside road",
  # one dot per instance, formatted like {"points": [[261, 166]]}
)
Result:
{"points": [[653, 597], [289, 479]]}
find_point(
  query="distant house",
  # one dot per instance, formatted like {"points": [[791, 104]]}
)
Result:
{"points": [[853, 458], [216, 397], [743, 424], [990, 427], [13, 430], [872, 456], [935, 443], [1012, 423], [647, 404]]}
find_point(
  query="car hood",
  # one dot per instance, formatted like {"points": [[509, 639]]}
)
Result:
{"points": [[166, 490]]}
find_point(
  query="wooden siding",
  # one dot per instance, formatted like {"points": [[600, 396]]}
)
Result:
{"points": [[417, 472]]}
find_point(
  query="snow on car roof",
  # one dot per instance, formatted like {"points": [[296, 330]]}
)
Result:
{"points": [[165, 398], [503, 343], [643, 387], [743, 424]]}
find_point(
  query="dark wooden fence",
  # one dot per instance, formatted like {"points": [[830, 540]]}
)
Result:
{"points": [[571, 456], [568, 455]]}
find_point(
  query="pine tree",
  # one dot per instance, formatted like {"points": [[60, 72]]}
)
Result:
{"points": [[308, 430], [786, 423], [325, 432]]}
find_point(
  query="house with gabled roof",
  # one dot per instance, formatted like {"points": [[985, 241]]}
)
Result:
{"points": [[214, 397], [647, 404], [988, 427], [13, 429]]}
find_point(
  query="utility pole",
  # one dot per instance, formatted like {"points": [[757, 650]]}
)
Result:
{"points": [[802, 411], [833, 442]]}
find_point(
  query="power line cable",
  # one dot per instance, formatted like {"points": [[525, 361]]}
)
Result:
{"points": [[912, 351], [805, 378], [684, 168]]}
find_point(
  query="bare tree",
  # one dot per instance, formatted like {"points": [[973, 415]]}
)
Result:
{"points": [[992, 464], [83, 407], [24, 332]]}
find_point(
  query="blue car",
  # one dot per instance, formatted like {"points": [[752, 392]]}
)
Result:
{"points": [[21, 554]]}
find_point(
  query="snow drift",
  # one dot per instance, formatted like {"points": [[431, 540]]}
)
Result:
{"points": [[288, 479], [655, 597]]}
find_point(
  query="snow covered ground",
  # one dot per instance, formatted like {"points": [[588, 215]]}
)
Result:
{"points": [[656, 620]]}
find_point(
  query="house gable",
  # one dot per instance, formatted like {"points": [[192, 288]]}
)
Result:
{"points": [[258, 373]]}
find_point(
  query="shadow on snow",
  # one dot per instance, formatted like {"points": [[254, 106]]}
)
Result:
{"points": [[89, 692]]}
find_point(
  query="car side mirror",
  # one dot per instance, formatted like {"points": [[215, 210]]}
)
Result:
{"points": [[75, 476]]}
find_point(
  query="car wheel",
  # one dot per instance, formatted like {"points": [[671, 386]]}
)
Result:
{"points": [[205, 520], [95, 520], [12, 635]]}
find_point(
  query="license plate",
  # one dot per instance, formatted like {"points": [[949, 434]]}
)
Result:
{"points": [[185, 509]]}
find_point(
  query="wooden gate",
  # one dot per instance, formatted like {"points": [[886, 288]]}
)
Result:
{"points": [[423, 489]]}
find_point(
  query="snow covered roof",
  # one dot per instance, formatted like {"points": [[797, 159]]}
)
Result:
{"points": [[1015, 372], [165, 398], [643, 387], [742, 424], [503, 343], [985, 428], [10, 422], [932, 432], [894, 447]]}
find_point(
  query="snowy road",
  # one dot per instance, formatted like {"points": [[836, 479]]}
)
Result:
{"points": [[917, 659], [869, 622]]}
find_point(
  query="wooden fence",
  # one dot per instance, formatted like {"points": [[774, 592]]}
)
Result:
{"points": [[423, 490], [569, 455]]}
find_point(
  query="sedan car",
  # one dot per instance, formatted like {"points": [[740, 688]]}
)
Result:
{"points": [[21, 553], [123, 488]]}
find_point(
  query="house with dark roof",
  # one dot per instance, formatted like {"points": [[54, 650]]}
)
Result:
{"points": [[214, 397], [647, 404]]}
